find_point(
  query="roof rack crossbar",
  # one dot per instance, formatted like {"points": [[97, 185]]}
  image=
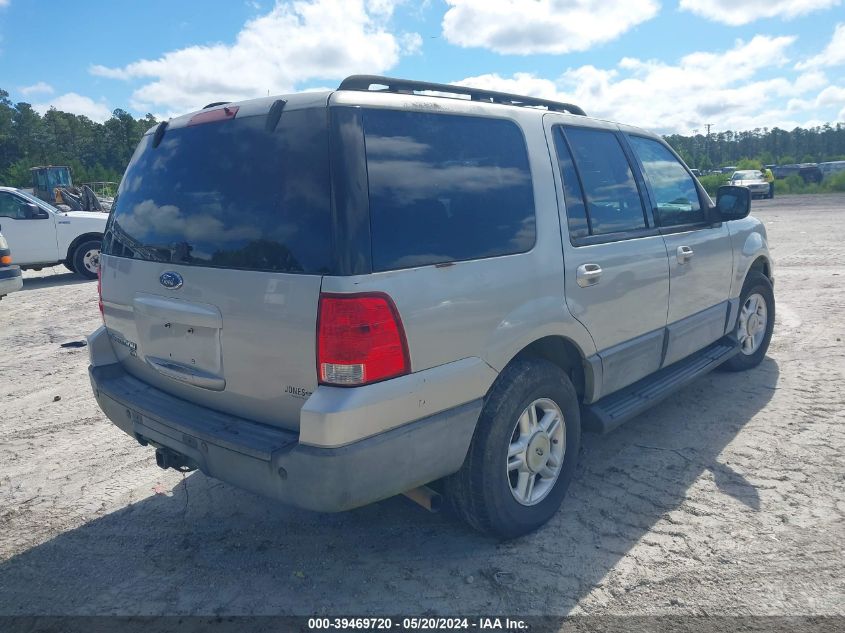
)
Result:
{"points": [[405, 86]]}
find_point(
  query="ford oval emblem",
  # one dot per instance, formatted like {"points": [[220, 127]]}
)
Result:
{"points": [[171, 279]]}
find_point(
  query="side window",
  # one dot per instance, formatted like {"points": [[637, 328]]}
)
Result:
{"points": [[446, 188], [576, 210], [676, 197], [613, 199], [12, 207]]}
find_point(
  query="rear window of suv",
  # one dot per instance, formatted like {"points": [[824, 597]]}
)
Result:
{"points": [[230, 194], [446, 188]]}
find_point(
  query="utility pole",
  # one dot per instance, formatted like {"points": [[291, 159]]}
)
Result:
{"points": [[707, 142]]}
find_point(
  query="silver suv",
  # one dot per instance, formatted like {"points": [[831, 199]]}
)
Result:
{"points": [[332, 298]]}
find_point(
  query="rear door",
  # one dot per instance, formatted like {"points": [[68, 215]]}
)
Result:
{"points": [[213, 257], [700, 253], [32, 239], [616, 271]]}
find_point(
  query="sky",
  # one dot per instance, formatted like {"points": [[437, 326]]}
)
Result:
{"points": [[665, 65]]}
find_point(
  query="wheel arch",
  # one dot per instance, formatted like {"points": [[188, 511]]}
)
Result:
{"points": [[761, 264], [80, 239], [565, 353]]}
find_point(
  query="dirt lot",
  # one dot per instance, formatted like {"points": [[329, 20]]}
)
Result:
{"points": [[729, 498]]}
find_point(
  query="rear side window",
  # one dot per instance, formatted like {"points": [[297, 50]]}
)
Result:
{"points": [[675, 194], [230, 194], [613, 199], [446, 188]]}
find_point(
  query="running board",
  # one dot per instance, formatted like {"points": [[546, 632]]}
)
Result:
{"points": [[611, 411]]}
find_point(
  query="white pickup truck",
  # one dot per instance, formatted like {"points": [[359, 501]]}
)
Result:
{"points": [[41, 235]]}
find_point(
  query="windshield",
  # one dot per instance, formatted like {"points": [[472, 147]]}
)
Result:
{"points": [[747, 175], [229, 194], [39, 202]]}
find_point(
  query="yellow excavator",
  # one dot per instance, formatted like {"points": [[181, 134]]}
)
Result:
{"points": [[54, 184]]}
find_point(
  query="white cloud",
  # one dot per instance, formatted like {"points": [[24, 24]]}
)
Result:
{"points": [[727, 89], [736, 13], [37, 88], [832, 55], [293, 43], [4, 3], [525, 27], [76, 104], [830, 97]]}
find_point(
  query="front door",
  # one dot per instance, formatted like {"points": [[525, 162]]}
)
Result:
{"points": [[616, 271], [32, 240], [700, 253]]}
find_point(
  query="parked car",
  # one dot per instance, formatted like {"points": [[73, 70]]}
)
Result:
{"points": [[809, 172], [10, 276], [754, 180], [332, 298], [830, 168], [42, 235]]}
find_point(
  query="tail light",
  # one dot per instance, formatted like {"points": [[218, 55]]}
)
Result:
{"points": [[360, 340], [5, 260], [100, 291]]}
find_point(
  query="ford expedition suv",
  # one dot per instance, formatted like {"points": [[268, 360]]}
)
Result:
{"points": [[332, 298]]}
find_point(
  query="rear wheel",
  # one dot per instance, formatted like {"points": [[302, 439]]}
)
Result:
{"points": [[523, 454], [755, 322], [86, 259]]}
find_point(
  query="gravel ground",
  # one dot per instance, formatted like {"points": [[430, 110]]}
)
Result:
{"points": [[726, 499]]}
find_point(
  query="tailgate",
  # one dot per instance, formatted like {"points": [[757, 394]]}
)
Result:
{"points": [[214, 254], [242, 342]]}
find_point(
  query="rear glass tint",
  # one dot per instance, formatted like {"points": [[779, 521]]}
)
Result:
{"points": [[446, 188], [230, 194]]}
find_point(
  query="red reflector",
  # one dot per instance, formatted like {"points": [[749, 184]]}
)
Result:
{"points": [[209, 116], [360, 339]]}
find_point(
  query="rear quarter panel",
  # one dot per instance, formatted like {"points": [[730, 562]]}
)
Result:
{"points": [[485, 308]]}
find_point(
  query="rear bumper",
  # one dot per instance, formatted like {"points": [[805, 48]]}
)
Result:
{"points": [[10, 279], [272, 462]]}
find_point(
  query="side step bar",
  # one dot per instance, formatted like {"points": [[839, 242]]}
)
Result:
{"points": [[611, 411]]}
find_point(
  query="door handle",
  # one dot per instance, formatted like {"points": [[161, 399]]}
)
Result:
{"points": [[588, 275], [685, 254]]}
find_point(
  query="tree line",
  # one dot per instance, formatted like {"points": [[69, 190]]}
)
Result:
{"points": [[101, 151], [94, 151], [765, 146]]}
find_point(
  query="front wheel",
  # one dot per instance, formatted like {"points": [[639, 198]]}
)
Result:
{"points": [[86, 259], [523, 454], [755, 322]]}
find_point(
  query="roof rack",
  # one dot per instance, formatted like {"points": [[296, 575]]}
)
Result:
{"points": [[406, 86]]}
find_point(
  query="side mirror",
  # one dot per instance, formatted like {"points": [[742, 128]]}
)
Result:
{"points": [[34, 212], [733, 203]]}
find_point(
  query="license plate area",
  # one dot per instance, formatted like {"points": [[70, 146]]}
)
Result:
{"points": [[181, 339]]}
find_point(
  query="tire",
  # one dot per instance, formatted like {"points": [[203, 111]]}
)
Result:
{"points": [[484, 492], [86, 258], [67, 264], [756, 285]]}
